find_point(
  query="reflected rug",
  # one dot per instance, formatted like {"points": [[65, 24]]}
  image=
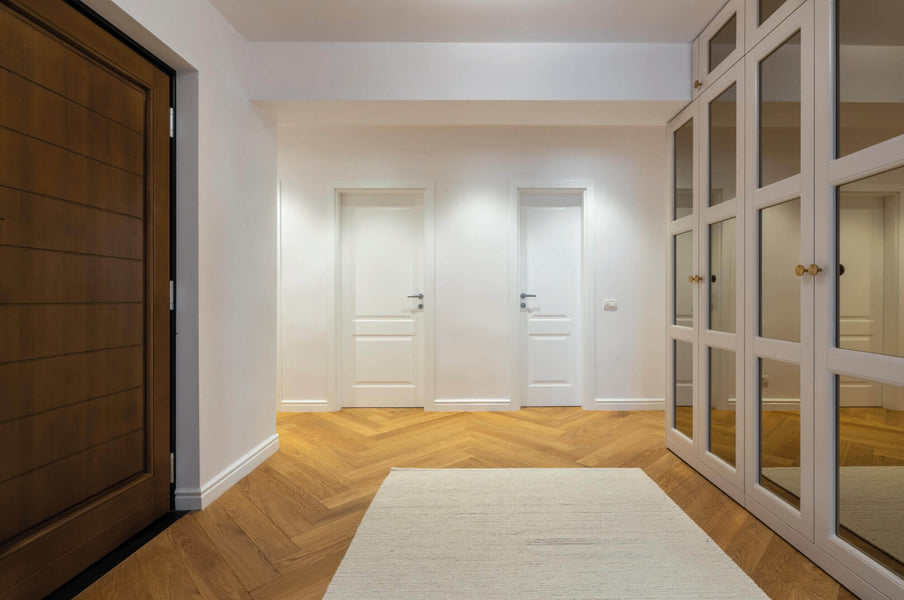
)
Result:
{"points": [[872, 502]]}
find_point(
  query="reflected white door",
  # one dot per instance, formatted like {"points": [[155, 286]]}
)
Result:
{"points": [[382, 328], [863, 255], [550, 277]]}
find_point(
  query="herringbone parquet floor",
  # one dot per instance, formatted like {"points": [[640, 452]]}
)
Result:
{"points": [[282, 531]]}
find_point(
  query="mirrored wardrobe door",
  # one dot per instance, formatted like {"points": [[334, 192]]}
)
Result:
{"points": [[720, 45], [685, 281], [763, 16], [720, 353], [780, 275], [859, 470]]}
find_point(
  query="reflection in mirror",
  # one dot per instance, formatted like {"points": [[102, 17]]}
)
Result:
{"points": [[870, 62], [684, 171], [723, 43], [871, 233], [723, 149], [767, 7], [684, 387], [779, 113], [871, 469], [684, 289], [780, 429], [722, 404], [779, 286], [722, 278]]}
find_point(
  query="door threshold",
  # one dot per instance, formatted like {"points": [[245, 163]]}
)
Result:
{"points": [[86, 578]]}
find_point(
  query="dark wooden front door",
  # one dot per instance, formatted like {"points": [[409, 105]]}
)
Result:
{"points": [[84, 294]]}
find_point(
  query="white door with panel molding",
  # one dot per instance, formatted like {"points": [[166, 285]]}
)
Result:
{"points": [[382, 298], [550, 248]]}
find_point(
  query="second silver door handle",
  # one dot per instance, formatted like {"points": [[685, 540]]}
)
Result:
{"points": [[523, 295], [419, 297]]}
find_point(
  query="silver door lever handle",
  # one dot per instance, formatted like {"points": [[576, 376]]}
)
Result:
{"points": [[418, 296], [523, 296]]}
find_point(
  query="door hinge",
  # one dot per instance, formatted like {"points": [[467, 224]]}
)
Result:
{"points": [[172, 295], [172, 467], [172, 122]]}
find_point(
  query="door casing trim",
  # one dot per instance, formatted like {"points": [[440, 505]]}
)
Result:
{"points": [[587, 384], [334, 285]]}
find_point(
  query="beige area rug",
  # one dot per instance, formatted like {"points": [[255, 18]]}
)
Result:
{"points": [[532, 533], [872, 502]]}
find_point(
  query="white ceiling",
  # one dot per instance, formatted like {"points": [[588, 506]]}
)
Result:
{"points": [[469, 20]]}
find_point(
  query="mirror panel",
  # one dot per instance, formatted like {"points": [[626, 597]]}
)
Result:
{"points": [[870, 60], [870, 469], [684, 387], [723, 146], [780, 429], [723, 43], [683, 252], [722, 404], [780, 113], [870, 271], [723, 279], [767, 8], [779, 247], [683, 202]]}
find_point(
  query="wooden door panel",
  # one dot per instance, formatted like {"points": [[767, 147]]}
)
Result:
{"points": [[53, 435], [42, 114], [34, 166], [28, 573], [42, 493], [33, 221], [50, 383], [29, 331], [84, 300], [52, 64], [41, 439], [46, 491], [42, 277]]}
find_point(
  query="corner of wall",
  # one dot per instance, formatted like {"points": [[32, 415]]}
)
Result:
{"points": [[201, 497]]}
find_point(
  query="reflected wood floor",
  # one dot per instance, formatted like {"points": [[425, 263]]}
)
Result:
{"points": [[282, 531]]}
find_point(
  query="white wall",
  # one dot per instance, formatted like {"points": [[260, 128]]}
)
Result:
{"points": [[473, 168], [226, 243], [470, 71]]}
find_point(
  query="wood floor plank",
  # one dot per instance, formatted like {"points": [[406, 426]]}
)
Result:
{"points": [[126, 582], [281, 532], [209, 571], [247, 561], [269, 538], [165, 573]]}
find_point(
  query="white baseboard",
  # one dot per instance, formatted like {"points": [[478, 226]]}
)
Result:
{"points": [[304, 406], [196, 499], [477, 404], [628, 404]]}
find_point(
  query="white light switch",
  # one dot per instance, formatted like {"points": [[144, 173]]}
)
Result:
{"points": [[610, 304]]}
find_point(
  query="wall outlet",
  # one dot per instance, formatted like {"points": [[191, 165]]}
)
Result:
{"points": [[610, 304]]}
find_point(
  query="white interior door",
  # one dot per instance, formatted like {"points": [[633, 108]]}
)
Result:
{"points": [[382, 247], [550, 238]]}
